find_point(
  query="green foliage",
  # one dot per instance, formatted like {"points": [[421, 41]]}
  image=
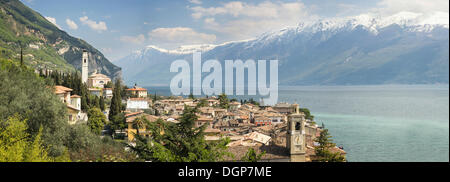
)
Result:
{"points": [[202, 103], [23, 92], [307, 113], [191, 96], [118, 122], [180, 142], [88, 147], [102, 103], [97, 120], [323, 150], [16, 145], [223, 101], [21, 26], [116, 101], [252, 156]]}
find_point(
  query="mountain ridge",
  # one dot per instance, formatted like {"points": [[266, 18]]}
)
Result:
{"points": [[405, 51], [45, 45]]}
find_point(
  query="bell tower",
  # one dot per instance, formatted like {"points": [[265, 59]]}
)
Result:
{"points": [[295, 140], [84, 66]]}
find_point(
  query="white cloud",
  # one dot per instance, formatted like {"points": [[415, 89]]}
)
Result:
{"points": [[240, 20], [53, 21], [72, 25], [100, 26], [179, 36], [195, 1], [417, 6], [140, 39]]}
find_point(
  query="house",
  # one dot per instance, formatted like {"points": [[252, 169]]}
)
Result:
{"points": [[285, 108], [132, 130], [73, 103], [202, 120], [95, 91], [234, 106], [262, 121], [138, 92], [135, 104], [97, 80], [108, 93]]}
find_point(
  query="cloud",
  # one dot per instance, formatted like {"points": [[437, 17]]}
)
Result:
{"points": [[240, 20], [100, 26], [72, 25], [195, 1], [140, 39], [180, 35], [417, 6], [52, 20]]}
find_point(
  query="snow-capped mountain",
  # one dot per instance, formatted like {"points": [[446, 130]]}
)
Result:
{"points": [[366, 49]]}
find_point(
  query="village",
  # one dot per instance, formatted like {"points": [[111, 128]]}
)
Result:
{"points": [[283, 131]]}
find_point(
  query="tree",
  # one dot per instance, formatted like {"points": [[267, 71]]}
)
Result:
{"points": [[323, 152], [252, 156], [191, 96], [16, 145], [25, 93], [307, 113], [223, 101], [96, 121], [118, 122], [202, 103], [181, 142], [102, 103], [116, 101], [108, 85]]}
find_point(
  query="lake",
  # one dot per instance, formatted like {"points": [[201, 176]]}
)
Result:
{"points": [[385, 123]]}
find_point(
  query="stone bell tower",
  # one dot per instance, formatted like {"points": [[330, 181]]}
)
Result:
{"points": [[295, 140], [84, 66]]}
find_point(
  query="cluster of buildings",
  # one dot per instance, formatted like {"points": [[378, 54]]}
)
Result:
{"points": [[95, 83], [280, 130]]}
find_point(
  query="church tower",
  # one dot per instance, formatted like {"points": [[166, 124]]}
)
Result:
{"points": [[84, 67], [295, 137]]}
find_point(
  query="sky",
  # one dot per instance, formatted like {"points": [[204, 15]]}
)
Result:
{"points": [[119, 27]]}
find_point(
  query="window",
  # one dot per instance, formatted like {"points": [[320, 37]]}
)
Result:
{"points": [[84, 60], [297, 126]]}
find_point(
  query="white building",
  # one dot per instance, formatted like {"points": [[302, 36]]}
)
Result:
{"points": [[137, 104]]}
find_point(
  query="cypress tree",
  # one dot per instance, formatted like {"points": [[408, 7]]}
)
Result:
{"points": [[116, 100]]}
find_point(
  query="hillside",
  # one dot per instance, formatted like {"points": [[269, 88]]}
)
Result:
{"points": [[405, 48], [44, 45]]}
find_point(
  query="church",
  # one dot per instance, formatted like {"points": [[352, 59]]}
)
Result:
{"points": [[95, 80]]}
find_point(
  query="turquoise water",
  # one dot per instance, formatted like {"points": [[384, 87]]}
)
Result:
{"points": [[385, 123], [381, 123]]}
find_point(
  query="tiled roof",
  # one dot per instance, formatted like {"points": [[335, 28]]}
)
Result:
{"points": [[61, 89]]}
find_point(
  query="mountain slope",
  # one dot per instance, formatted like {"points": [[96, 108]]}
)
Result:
{"points": [[45, 46], [405, 48]]}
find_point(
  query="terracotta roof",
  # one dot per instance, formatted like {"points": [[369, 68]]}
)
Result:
{"points": [[149, 117], [61, 89], [75, 96], [137, 99], [201, 118], [132, 114], [137, 89]]}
